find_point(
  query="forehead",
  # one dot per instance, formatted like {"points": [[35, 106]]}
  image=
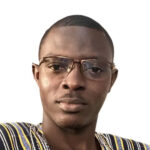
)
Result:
{"points": [[76, 42]]}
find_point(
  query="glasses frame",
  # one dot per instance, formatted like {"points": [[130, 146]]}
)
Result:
{"points": [[78, 61], [42, 60]]}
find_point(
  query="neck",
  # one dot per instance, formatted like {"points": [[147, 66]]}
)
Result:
{"points": [[69, 138]]}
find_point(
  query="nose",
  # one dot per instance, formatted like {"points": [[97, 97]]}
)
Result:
{"points": [[74, 80]]}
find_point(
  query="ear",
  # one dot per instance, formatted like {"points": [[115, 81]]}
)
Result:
{"points": [[113, 77], [35, 71]]}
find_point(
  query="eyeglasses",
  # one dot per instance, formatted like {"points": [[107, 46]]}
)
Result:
{"points": [[91, 68]]}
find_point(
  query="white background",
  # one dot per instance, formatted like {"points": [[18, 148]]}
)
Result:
{"points": [[126, 111]]}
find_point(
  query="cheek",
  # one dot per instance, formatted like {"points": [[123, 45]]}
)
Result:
{"points": [[98, 92], [48, 87], [44, 86], [101, 87], [44, 83]]}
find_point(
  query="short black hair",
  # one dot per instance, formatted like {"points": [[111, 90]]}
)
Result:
{"points": [[77, 20]]}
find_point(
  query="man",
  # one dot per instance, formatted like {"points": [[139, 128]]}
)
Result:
{"points": [[74, 75]]}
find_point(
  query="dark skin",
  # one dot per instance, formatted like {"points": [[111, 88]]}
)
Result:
{"points": [[63, 127]]}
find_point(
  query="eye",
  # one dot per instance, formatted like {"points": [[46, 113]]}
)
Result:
{"points": [[96, 70], [57, 67]]}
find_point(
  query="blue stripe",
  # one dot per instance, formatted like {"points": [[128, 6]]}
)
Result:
{"points": [[22, 137], [119, 143], [148, 147]]}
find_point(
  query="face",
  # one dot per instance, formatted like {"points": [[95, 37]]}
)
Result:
{"points": [[73, 101]]}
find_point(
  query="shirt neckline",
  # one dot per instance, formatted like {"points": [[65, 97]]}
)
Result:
{"points": [[101, 139]]}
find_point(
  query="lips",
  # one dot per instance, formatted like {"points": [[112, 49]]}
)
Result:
{"points": [[71, 105]]}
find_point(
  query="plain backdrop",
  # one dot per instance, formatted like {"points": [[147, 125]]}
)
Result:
{"points": [[126, 111]]}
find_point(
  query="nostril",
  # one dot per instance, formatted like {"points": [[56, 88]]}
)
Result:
{"points": [[65, 86], [76, 88], [80, 88]]}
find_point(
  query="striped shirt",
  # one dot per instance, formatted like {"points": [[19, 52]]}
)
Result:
{"points": [[25, 136]]}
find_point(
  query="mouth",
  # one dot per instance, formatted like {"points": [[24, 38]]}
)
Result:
{"points": [[71, 105]]}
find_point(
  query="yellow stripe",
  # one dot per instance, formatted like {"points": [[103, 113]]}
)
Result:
{"points": [[132, 144], [25, 136], [122, 145], [8, 135], [102, 147], [116, 143], [145, 147], [40, 131], [19, 137], [38, 141]]}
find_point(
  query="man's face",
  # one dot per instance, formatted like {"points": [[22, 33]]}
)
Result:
{"points": [[73, 101]]}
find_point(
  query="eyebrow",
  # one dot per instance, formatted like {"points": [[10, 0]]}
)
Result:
{"points": [[81, 57]]}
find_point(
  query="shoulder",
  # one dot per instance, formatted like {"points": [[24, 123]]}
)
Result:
{"points": [[11, 133], [9, 128], [117, 143]]}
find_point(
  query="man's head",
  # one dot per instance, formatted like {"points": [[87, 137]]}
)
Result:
{"points": [[76, 71], [77, 20]]}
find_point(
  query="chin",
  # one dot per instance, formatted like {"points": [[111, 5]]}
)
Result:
{"points": [[74, 124]]}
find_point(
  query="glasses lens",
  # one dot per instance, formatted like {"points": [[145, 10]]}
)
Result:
{"points": [[93, 69], [57, 64]]}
